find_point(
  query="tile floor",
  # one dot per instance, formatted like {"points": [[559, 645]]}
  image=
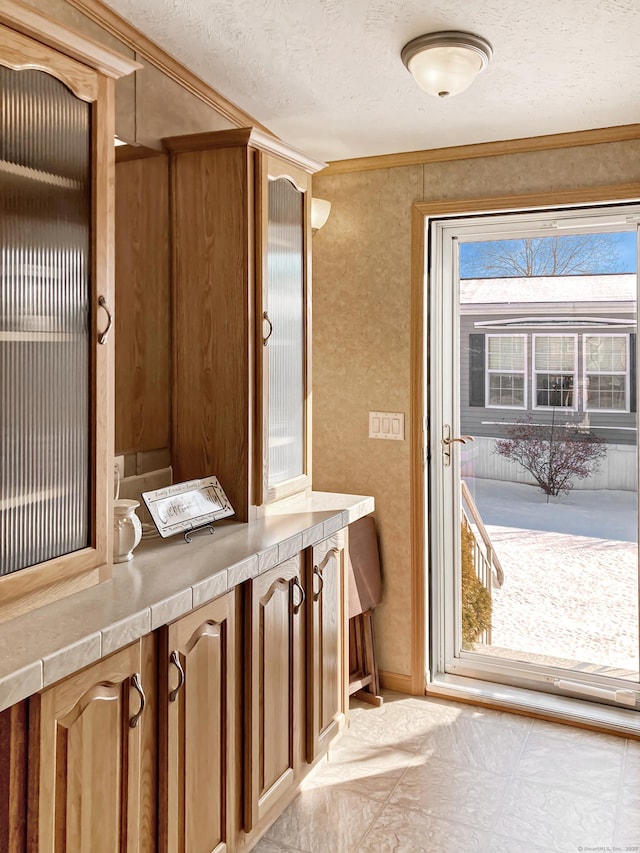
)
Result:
{"points": [[436, 776]]}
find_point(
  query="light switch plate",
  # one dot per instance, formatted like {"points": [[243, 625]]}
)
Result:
{"points": [[389, 425]]}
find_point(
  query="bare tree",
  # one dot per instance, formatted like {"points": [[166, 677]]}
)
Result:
{"points": [[580, 254], [554, 455]]}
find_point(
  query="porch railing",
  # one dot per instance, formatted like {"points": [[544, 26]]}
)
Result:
{"points": [[485, 560]]}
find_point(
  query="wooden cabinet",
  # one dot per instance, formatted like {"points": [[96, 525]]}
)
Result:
{"points": [[13, 779], [92, 758], [199, 773], [327, 648], [240, 212], [274, 688], [56, 230]]}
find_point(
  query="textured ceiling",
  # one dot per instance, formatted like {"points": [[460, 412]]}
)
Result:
{"points": [[326, 75]]}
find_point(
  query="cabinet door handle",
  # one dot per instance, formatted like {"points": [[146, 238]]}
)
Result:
{"points": [[175, 660], [136, 683], [296, 607], [265, 316], [318, 573], [102, 337]]}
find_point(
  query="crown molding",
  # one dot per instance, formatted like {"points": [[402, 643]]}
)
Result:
{"points": [[597, 136], [148, 50]]}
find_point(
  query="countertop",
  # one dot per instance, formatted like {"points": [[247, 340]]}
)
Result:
{"points": [[165, 579]]}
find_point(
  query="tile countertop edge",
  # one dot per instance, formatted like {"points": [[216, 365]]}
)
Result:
{"points": [[40, 647]]}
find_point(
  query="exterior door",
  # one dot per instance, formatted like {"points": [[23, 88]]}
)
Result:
{"points": [[534, 466]]}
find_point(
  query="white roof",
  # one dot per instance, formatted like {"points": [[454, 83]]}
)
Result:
{"points": [[568, 288]]}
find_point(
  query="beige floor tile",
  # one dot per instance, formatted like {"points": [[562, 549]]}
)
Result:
{"points": [[627, 834], [398, 830], [487, 740], [468, 795], [324, 820], [358, 767], [266, 846], [498, 844], [585, 762], [393, 725], [631, 775], [550, 817]]}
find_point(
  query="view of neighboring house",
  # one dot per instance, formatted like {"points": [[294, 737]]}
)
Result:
{"points": [[556, 348]]}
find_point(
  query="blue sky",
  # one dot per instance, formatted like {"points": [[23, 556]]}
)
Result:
{"points": [[626, 261]]}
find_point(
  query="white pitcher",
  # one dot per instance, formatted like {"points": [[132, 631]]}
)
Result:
{"points": [[127, 530]]}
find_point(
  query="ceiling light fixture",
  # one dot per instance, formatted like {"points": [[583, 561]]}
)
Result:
{"points": [[446, 63]]}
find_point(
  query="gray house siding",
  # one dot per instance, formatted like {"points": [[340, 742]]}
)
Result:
{"points": [[479, 419]]}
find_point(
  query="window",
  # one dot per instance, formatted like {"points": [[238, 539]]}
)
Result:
{"points": [[606, 370], [554, 371], [506, 365]]}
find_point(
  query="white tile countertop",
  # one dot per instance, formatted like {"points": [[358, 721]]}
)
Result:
{"points": [[165, 579]]}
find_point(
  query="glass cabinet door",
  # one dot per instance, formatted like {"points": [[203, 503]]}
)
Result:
{"points": [[286, 333], [45, 364]]}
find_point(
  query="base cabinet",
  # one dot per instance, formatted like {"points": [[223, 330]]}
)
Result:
{"points": [[91, 758], [274, 688], [327, 649], [198, 724]]}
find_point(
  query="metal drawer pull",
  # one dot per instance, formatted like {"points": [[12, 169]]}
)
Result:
{"points": [[318, 573], [136, 683], [102, 337], [265, 316], [175, 660], [296, 607]]}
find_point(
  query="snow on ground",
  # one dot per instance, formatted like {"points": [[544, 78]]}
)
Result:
{"points": [[571, 572]]}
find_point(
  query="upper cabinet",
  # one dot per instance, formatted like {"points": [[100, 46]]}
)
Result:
{"points": [[241, 204], [56, 294]]}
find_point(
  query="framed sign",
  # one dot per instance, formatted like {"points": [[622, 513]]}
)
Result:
{"points": [[187, 506]]}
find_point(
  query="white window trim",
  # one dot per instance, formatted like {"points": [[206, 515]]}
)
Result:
{"points": [[488, 372], [626, 373], [534, 374]]}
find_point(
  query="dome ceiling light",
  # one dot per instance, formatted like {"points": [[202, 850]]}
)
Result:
{"points": [[446, 63]]}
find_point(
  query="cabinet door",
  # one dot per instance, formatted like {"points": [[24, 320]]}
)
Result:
{"points": [[285, 328], [274, 687], [91, 786], [199, 774], [56, 161], [326, 646], [13, 779]]}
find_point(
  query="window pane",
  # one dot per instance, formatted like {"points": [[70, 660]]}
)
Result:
{"points": [[555, 352], [607, 392], [506, 352], [506, 390], [554, 390], [606, 353]]}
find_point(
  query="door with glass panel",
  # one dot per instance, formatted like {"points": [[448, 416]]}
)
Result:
{"points": [[534, 466]]}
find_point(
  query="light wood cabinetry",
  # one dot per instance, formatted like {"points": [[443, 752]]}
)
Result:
{"points": [[13, 779], [240, 212], [274, 688], [327, 647], [199, 772], [56, 227], [92, 758]]}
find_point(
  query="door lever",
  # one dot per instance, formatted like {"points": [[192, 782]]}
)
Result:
{"points": [[447, 441]]}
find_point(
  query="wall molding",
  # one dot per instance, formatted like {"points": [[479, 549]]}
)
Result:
{"points": [[526, 145], [396, 681], [148, 50], [421, 213]]}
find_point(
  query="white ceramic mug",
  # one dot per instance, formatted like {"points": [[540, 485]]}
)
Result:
{"points": [[127, 530]]}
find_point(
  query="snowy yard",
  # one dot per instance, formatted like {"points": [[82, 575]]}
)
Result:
{"points": [[571, 574]]}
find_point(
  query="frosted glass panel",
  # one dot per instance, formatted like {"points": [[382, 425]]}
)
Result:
{"points": [[44, 308], [286, 344]]}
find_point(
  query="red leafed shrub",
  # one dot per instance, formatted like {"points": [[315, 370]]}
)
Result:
{"points": [[555, 455]]}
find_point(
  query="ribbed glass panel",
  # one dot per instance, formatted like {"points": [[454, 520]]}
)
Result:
{"points": [[45, 238], [286, 345]]}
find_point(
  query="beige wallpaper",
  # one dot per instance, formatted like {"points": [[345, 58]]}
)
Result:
{"points": [[361, 304]]}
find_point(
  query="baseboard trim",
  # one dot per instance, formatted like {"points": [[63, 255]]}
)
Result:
{"points": [[396, 681]]}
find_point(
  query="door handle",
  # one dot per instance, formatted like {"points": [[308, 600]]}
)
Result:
{"points": [[448, 440], [136, 683], [175, 660]]}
